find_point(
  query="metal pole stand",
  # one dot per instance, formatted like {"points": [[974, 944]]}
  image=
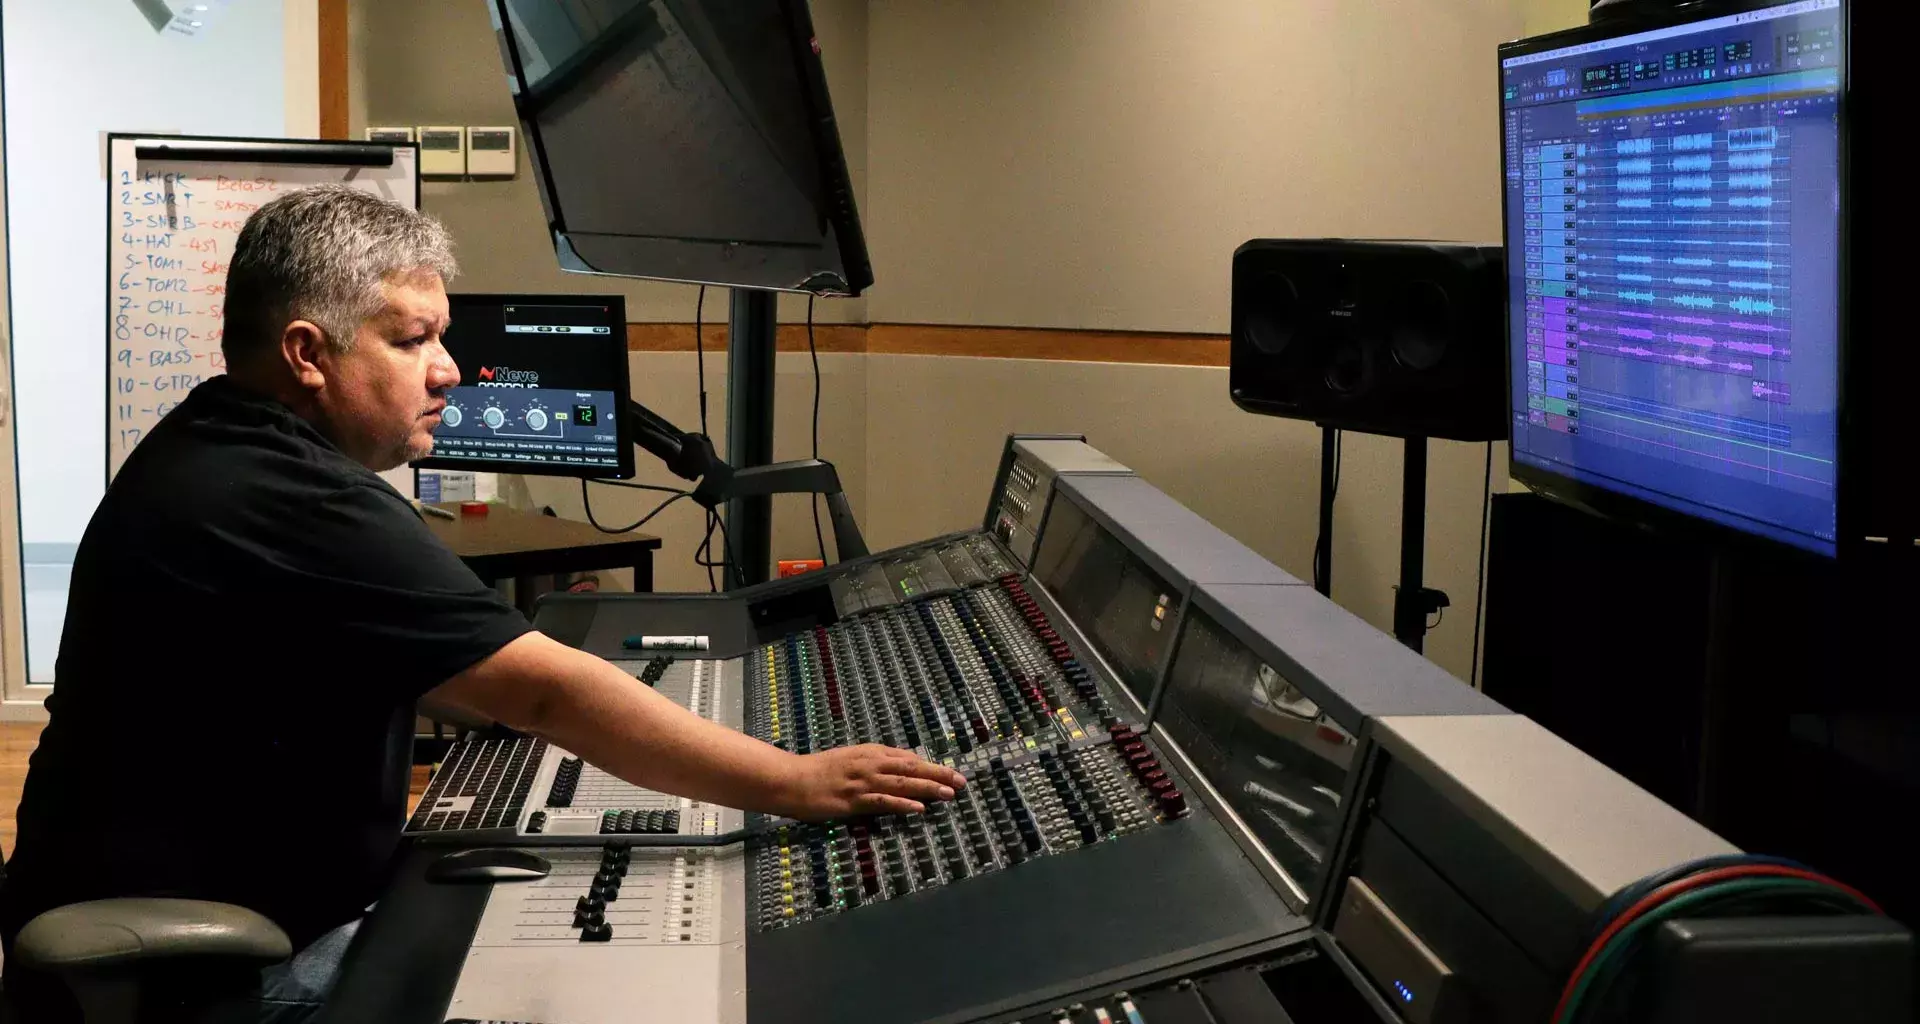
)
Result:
{"points": [[1413, 601], [750, 357]]}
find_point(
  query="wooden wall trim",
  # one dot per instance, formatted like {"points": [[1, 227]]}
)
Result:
{"points": [[333, 69], [788, 338], [974, 342], [1039, 343]]}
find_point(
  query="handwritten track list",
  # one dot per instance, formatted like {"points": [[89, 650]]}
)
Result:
{"points": [[171, 232]]}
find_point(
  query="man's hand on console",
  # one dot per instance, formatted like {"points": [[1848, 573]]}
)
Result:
{"points": [[867, 779]]}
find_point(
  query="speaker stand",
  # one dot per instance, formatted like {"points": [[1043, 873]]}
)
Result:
{"points": [[1329, 481], [1413, 600]]}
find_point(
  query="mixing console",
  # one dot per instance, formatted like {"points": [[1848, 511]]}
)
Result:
{"points": [[933, 653], [1014, 809]]}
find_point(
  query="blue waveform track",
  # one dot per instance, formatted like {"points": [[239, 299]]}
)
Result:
{"points": [[1751, 202], [1693, 202], [1637, 296], [1631, 146], [1684, 164], [1634, 184], [1690, 222], [1635, 204], [1759, 161], [1690, 261], [1739, 139], [1693, 182], [1751, 306], [1695, 301], [1693, 143], [1693, 282], [1736, 223], [1637, 278], [1750, 264], [1750, 286], [1755, 180], [1633, 167], [1636, 259]]}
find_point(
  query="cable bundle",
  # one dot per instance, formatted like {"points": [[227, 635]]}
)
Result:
{"points": [[1730, 886]]}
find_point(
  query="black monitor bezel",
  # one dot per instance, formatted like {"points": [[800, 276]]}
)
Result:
{"points": [[706, 262], [1627, 509], [622, 391]]}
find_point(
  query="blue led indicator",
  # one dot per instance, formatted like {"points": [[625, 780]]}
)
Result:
{"points": [[1406, 994]]}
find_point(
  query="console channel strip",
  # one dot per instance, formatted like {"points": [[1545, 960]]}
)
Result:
{"points": [[965, 676]]}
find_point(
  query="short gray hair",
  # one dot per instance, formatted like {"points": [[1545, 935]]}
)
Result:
{"points": [[320, 254]]}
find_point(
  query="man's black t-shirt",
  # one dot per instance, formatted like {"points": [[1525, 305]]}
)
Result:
{"points": [[251, 619]]}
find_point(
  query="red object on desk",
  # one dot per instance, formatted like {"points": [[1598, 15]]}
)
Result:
{"points": [[473, 508], [797, 566]]}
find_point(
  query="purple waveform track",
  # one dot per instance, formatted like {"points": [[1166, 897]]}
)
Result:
{"points": [[1691, 321], [1696, 341], [1778, 392], [1671, 358]]}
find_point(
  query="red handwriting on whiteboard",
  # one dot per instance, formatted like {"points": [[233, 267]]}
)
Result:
{"points": [[226, 184]]}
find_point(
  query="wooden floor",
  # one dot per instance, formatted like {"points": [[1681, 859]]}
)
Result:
{"points": [[17, 740]]}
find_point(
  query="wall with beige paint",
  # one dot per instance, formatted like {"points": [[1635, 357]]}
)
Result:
{"points": [[1079, 164], [1543, 16], [1083, 164]]}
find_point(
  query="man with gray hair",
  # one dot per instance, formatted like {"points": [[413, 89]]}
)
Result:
{"points": [[248, 555]]}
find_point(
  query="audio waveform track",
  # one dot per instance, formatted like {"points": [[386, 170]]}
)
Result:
{"points": [[1658, 250]]}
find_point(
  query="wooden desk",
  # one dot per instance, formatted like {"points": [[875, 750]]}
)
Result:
{"points": [[507, 543]]}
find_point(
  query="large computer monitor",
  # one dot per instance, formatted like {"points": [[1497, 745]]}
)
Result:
{"points": [[1674, 212], [685, 140], [543, 387]]}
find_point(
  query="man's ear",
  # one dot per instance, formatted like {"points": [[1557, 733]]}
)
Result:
{"points": [[303, 347]]}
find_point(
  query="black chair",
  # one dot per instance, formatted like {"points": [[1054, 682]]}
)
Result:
{"points": [[109, 953]]}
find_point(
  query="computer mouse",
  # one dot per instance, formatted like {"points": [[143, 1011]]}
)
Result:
{"points": [[488, 864]]}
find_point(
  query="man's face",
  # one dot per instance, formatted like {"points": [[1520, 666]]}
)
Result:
{"points": [[382, 399]]}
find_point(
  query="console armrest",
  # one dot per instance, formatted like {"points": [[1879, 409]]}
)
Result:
{"points": [[122, 932]]}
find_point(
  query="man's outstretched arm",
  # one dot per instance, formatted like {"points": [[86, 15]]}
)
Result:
{"points": [[592, 708]]}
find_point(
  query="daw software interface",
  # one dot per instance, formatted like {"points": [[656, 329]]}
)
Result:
{"points": [[542, 384], [1673, 204]]}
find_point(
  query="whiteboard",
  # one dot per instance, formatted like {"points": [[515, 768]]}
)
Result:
{"points": [[175, 205]]}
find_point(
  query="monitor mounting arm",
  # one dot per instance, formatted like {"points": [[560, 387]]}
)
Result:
{"points": [[691, 457]]}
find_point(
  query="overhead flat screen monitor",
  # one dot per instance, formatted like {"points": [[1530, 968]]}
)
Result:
{"points": [[543, 383], [685, 140], [1128, 611], [1674, 208]]}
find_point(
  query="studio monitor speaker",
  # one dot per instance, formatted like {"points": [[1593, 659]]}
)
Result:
{"points": [[1400, 338]]}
